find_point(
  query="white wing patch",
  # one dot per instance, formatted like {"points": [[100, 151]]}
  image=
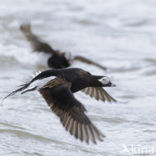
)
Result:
{"points": [[40, 83]]}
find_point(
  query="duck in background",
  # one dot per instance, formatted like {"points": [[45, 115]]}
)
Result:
{"points": [[57, 59], [57, 87]]}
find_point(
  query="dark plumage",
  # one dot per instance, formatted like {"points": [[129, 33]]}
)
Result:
{"points": [[57, 88], [57, 59]]}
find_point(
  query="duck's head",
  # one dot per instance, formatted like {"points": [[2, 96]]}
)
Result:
{"points": [[100, 81], [94, 80], [59, 60], [105, 81]]}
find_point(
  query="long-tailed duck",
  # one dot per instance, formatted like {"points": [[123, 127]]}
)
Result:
{"points": [[57, 58], [57, 87]]}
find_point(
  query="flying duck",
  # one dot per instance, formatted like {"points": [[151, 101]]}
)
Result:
{"points": [[57, 58], [57, 87]]}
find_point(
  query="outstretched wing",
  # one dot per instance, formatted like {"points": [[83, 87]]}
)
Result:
{"points": [[70, 111], [98, 93], [88, 61], [35, 41]]}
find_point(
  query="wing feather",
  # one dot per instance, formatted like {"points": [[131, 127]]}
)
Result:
{"points": [[70, 111], [98, 93], [88, 61]]}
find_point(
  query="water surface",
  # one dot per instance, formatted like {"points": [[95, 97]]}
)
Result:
{"points": [[118, 34]]}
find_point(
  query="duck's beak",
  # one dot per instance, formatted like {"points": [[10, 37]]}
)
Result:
{"points": [[110, 84], [70, 61]]}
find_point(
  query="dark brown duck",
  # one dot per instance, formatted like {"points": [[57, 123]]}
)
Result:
{"points": [[57, 88], [57, 59]]}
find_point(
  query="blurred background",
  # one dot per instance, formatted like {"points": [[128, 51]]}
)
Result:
{"points": [[120, 35]]}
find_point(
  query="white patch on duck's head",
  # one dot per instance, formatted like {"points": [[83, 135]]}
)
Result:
{"points": [[104, 80], [68, 56]]}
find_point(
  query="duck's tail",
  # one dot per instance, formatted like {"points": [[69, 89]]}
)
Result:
{"points": [[22, 87], [40, 78]]}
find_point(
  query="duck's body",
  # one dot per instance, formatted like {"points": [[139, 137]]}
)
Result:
{"points": [[57, 58], [78, 78], [57, 88]]}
